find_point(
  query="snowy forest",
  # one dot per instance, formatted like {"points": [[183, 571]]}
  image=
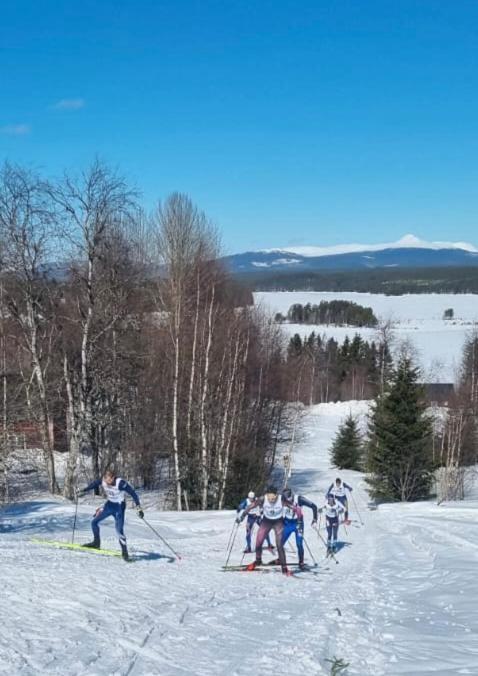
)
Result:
{"points": [[124, 343]]}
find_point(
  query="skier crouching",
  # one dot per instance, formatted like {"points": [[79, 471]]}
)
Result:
{"points": [[272, 505], [114, 488], [332, 510]]}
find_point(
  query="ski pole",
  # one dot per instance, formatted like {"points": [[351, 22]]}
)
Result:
{"points": [[230, 535], [163, 540], [74, 520], [356, 509], [310, 552], [232, 544], [326, 547]]}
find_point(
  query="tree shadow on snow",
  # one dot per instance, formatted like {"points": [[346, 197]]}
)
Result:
{"points": [[26, 517], [304, 481]]}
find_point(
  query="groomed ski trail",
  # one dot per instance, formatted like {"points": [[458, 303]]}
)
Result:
{"points": [[402, 599]]}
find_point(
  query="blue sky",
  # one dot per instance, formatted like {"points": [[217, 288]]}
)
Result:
{"points": [[287, 122]]}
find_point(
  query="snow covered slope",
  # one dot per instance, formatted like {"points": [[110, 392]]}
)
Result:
{"points": [[402, 600]]}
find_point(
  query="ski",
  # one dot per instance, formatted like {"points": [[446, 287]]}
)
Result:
{"points": [[268, 567], [59, 544]]}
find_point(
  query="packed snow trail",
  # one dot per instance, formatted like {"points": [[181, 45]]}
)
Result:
{"points": [[402, 599]]}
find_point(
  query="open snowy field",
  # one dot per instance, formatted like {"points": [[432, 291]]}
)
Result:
{"points": [[418, 319], [402, 599]]}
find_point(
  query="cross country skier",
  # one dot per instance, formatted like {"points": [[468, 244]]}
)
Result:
{"points": [[338, 491], [272, 505], [332, 509], [253, 518], [115, 488], [292, 524]]}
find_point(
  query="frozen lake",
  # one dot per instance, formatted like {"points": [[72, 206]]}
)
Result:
{"points": [[417, 319]]}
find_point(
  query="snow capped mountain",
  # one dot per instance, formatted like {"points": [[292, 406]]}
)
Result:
{"points": [[406, 242], [409, 251]]}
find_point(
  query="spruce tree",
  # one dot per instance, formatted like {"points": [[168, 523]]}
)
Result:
{"points": [[399, 454], [347, 446]]}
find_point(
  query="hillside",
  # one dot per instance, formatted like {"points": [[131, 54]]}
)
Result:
{"points": [[401, 600]]}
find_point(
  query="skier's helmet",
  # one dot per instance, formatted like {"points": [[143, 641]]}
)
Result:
{"points": [[338, 481], [287, 493], [330, 498], [251, 495]]}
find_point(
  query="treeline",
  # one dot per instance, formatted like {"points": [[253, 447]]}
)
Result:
{"points": [[328, 371], [410, 451], [338, 312], [169, 377], [390, 281]]}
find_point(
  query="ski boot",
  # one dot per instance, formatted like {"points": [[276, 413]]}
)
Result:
{"points": [[286, 571], [252, 566], [124, 552], [248, 550], [302, 565], [94, 544]]}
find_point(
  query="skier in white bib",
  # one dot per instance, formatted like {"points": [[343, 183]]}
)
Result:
{"points": [[114, 488], [339, 491], [332, 509], [272, 505]]}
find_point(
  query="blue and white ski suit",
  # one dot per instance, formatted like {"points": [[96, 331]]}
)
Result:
{"points": [[332, 512], [253, 518], [114, 506], [292, 524], [339, 493]]}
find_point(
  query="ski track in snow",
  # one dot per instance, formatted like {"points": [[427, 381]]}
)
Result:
{"points": [[402, 599]]}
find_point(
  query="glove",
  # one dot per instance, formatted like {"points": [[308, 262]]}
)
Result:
{"points": [[314, 522], [80, 492], [239, 519], [350, 489], [140, 512]]}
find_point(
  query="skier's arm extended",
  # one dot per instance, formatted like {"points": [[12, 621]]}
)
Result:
{"points": [[329, 490], [304, 502], [128, 488], [91, 486], [349, 488]]}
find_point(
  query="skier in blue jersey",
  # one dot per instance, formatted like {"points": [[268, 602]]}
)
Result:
{"points": [[338, 490], [332, 509], [293, 524], [115, 489], [253, 518]]}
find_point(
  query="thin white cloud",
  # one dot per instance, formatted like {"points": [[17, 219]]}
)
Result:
{"points": [[16, 129], [69, 104]]}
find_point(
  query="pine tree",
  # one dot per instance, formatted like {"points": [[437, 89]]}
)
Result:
{"points": [[399, 457], [347, 448]]}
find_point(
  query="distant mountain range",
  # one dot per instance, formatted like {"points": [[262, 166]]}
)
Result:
{"points": [[408, 252]]}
